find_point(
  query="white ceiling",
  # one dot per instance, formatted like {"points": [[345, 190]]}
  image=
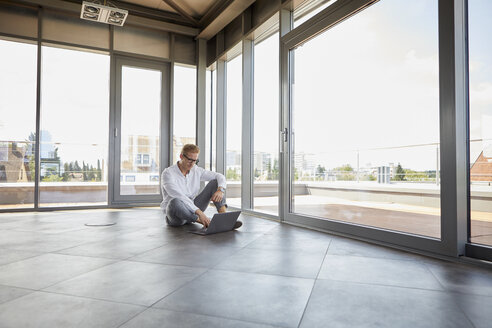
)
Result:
{"points": [[195, 8]]}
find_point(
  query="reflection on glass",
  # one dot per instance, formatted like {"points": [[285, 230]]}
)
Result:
{"points": [[362, 90], [184, 118], [480, 59], [266, 130], [140, 126], [74, 128], [17, 124], [234, 130]]}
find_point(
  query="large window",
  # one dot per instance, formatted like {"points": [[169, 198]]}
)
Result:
{"points": [[234, 129], [184, 114], [141, 100], [480, 59], [366, 120], [17, 123], [74, 128], [266, 129]]}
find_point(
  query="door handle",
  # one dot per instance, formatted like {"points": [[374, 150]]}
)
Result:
{"points": [[283, 139]]}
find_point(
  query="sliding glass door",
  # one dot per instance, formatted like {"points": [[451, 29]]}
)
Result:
{"points": [[141, 113], [356, 156]]}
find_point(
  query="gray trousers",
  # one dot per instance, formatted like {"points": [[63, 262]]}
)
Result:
{"points": [[178, 214]]}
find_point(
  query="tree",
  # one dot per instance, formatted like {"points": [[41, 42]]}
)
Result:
{"points": [[66, 171], [85, 168], [320, 172], [273, 175], [56, 154], [296, 174], [232, 175], [52, 178], [411, 175], [76, 167], [99, 172], [269, 171], [399, 174], [344, 173], [30, 155], [91, 176]]}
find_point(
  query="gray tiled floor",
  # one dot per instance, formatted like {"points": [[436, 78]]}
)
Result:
{"points": [[57, 272]]}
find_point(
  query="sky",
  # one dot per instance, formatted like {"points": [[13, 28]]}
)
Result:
{"points": [[480, 49], [364, 92], [184, 101], [358, 86], [361, 85]]}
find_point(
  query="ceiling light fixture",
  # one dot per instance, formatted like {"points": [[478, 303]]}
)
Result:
{"points": [[97, 12]]}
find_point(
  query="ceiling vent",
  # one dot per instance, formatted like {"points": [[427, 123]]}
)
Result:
{"points": [[104, 14]]}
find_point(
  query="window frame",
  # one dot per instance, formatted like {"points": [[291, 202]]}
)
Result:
{"points": [[452, 112]]}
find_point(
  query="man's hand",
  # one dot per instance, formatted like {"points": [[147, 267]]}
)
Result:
{"points": [[202, 218], [217, 196]]}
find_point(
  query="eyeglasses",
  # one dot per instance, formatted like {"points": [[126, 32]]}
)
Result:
{"points": [[196, 161]]}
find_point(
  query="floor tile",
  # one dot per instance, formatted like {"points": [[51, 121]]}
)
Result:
{"points": [[11, 255], [9, 293], [256, 225], [155, 318], [291, 242], [289, 232], [341, 304], [47, 269], [117, 248], [378, 271], [223, 239], [273, 300], [187, 253], [129, 282], [350, 247], [477, 309], [280, 262], [36, 241], [261, 275], [463, 278], [45, 310]]}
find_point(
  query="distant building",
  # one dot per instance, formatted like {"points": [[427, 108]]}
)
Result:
{"points": [[140, 155], [140, 160], [305, 162], [13, 166], [233, 158], [262, 160], [481, 169]]}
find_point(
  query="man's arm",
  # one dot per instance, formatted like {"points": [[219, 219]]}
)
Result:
{"points": [[206, 175], [221, 182]]}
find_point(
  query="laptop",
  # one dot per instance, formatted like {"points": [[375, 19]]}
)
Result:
{"points": [[220, 222]]}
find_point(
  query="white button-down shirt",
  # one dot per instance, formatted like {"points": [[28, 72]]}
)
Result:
{"points": [[176, 185]]}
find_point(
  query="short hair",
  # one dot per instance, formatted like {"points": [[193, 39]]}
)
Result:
{"points": [[190, 148]]}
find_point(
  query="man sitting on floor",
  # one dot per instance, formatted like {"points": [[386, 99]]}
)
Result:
{"points": [[180, 185]]}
